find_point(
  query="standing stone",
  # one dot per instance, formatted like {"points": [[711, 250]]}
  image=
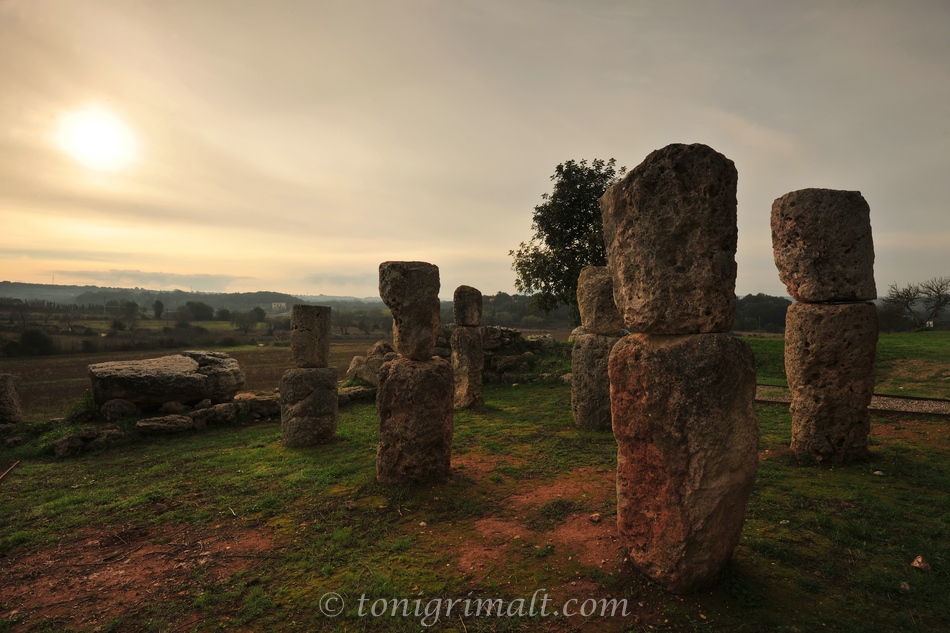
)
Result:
{"points": [[595, 301], [468, 361], [829, 362], [670, 232], [414, 402], [10, 411], [310, 335], [821, 240], [467, 306], [687, 439], [411, 291], [590, 382], [308, 405]]}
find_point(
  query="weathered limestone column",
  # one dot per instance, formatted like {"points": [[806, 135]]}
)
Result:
{"points": [[824, 252], [308, 394], [416, 390], [10, 411], [468, 357], [590, 383], [310, 335], [681, 389]]}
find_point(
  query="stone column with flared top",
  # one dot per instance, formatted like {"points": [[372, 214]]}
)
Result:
{"points": [[681, 388], [590, 384], [824, 253], [415, 396], [308, 393], [468, 356]]}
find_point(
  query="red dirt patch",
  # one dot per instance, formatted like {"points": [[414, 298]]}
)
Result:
{"points": [[102, 574]]}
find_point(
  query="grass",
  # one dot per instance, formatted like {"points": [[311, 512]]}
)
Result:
{"points": [[909, 363], [822, 549]]}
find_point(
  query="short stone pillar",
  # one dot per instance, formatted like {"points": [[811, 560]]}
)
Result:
{"points": [[681, 389], [308, 393], [824, 253], [310, 335], [10, 411], [468, 356], [416, 391], [590, 384]]}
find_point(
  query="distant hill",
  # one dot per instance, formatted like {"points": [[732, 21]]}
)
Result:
{"points": [[97, 295]]}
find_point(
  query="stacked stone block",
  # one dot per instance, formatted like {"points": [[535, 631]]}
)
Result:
{"points": [[308, 393], [681, 388], [416, 390], [468, 357], [10, 411], [821, 240], [590, 383]]}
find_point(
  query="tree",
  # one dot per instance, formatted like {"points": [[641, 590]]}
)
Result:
{"points": [[568, 235], [130, 312], [223, 314], [932, 295], [245, 320], [200, 311], [157, 309], [258, 313]]}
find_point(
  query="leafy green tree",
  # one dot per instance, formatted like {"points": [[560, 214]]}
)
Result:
{"points": [[568, 235], [223, 314], [158, 308], [258, 313], [200, 311], [245, 321]]}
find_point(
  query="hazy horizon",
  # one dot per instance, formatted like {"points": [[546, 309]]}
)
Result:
{"points": [[294, 145]]}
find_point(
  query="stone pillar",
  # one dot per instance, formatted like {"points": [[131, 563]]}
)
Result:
{"points": [[824, 253], [310, 335], [308, 393], [415, 397], [10, 411], [602, 327], [468, 357], [681, 389]]}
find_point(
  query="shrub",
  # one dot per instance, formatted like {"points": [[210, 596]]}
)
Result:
{"points": [[35, 342], [227, 341]]}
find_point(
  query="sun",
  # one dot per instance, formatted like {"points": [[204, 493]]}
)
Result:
{"points": [[97, 139]]}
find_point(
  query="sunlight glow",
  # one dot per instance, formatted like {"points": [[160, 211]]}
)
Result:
{"points": [[97, 139]]}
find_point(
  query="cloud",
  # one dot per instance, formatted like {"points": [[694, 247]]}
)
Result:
{"points": [[152, 280]]}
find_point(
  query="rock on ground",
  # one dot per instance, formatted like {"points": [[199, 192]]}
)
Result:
{"points": [[189, 377], [165, 425], [118, 409], [821, 240], [415, 406], [687, 439], [595, 301], [411, 291], [590, 384], [367, 367], [670, 232], [468, 361], [829, 362], [308, 406], [88, 439]]}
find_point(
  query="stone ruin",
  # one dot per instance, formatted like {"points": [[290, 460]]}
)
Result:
{"points": [[308, 393], [681, 388], [602, 328], [416, 390], [821, 240], [468, 356], [11, 414]]}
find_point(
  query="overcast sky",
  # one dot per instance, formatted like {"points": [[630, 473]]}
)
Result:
{"points": [[293, 145]]}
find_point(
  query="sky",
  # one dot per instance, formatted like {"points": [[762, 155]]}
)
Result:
{"points": [[293, 145]]}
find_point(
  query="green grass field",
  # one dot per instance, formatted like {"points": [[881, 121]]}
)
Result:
{"points": [[822, 550], [907, 364]]}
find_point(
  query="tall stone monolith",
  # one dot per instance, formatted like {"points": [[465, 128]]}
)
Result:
{"points": [[468, 356], [308, 393], [416, 390], [10, 411], [681, 389], [824, 253], [590, 384]]}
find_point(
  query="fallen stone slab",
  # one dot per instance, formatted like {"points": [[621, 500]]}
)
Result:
{"points": [[189, 377], [165, 425]]}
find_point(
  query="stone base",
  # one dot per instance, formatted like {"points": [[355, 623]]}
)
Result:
{"points": [[468, 361], [590, 384], [414, 403], [10, 411], [687, 438], [308, 406], [829, 362]]}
